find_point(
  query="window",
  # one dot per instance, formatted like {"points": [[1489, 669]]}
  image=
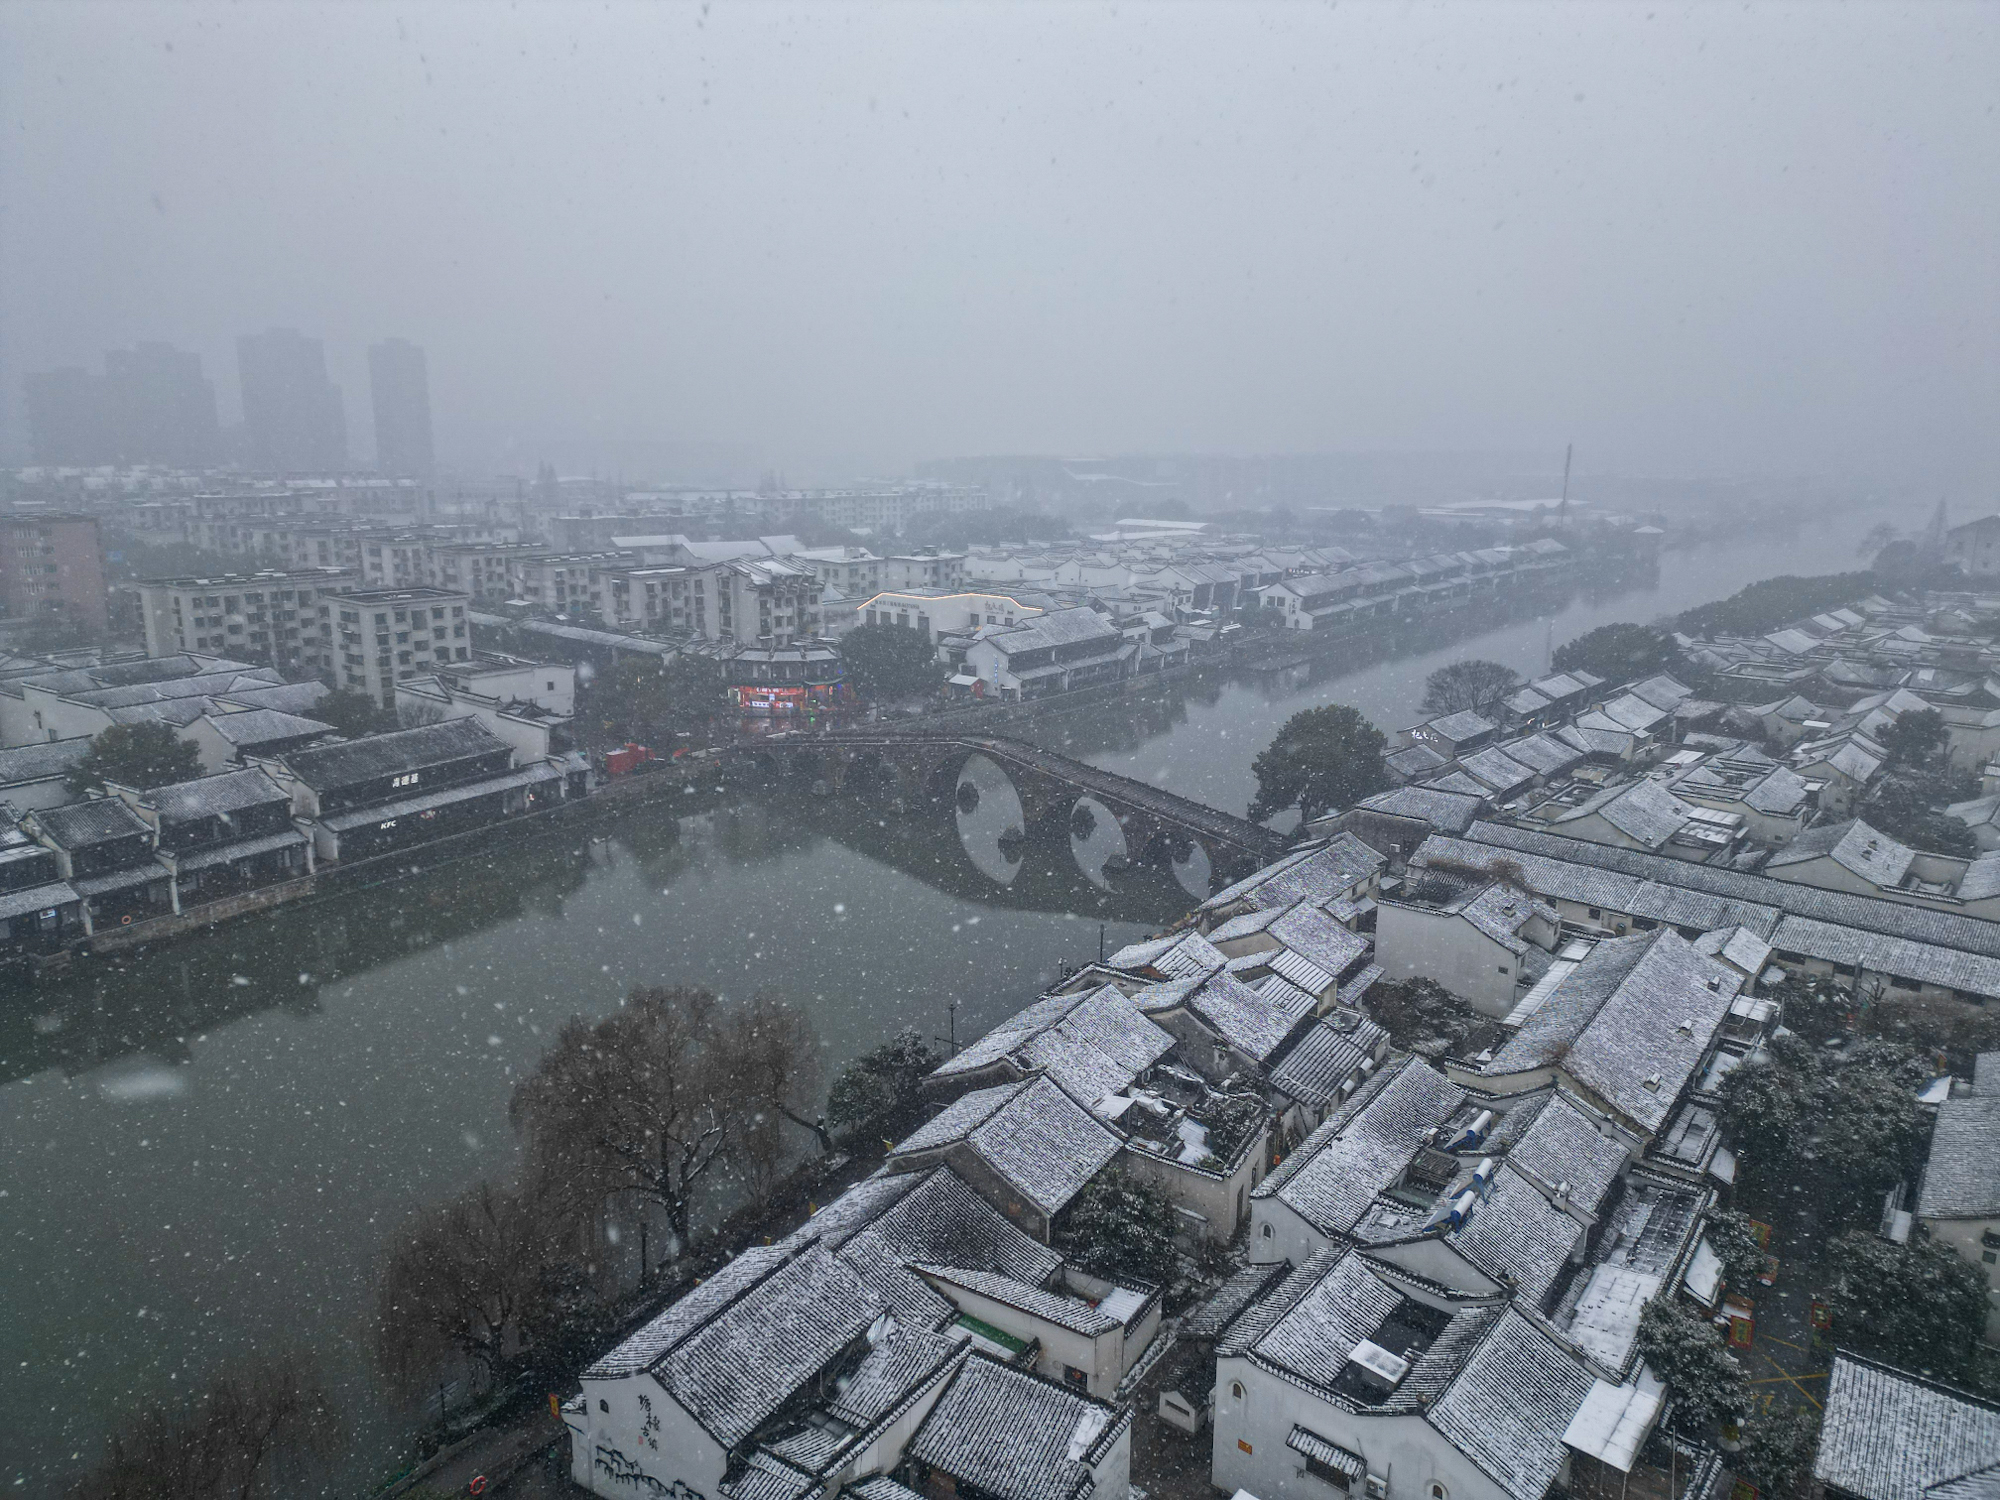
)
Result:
{"points": [[1502, 968], [1265, 1231], [1326, 1473], [1078, 1378], [1439, 1492], [1235, 1390], [603, 1405]]}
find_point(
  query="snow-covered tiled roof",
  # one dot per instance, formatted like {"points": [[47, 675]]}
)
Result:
{"points": [[1316, 1335], [1890, 1435], [1315, 1066], [740, 1366], [1335, 1173], [1060, 1309], [1543, 753], [213, 796], [1645, 812], [349, 761], [1630, 1023], [1495, 768], [1962, 1178], [1510, 1404], [1094, 1043], [1461, 726], [1314, 875], [1453, 812], [1564, 1147], [1516, 1236], [1014, 1436], [1853, 845], [261, 726], [1253, 1022], [82, 824]]}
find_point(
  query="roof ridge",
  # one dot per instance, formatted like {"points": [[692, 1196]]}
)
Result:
{"points": [[787, 1256], [1940, 1387]]}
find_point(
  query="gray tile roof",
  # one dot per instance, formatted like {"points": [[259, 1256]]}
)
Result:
{"points": [[1543, 752], [1315, 1336], [1645, 812], [39, 762], [1245, 1286], [1453, 812], [1497, 769], [82, 824], [1871, 913], [349, 761], [1630, 1023], [1510, 1403], [1310, 875], [1962, 1178], [1853, 845], [707, 1300], [1324, 1057], [1891, 1435], [213, 796], [1563, 1146], [1335, 1173], [261, 726], [1094, 1044], [1515, 1235], [739, 1367], [1313, 935], [905, 1360], [1013, 1435], [1461, 726], [1254, 1023], [1064, 1311], [1039, 1140]]}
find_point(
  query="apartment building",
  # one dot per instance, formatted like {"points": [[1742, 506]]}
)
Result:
{"points": [[761, 601], [380, 637], [52, 567], [269, 617]]}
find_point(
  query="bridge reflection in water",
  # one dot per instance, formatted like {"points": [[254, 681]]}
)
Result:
{"points": [[1007, 795]]}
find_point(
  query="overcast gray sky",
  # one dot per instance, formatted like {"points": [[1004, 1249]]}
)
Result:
{"points": [[1691, 239]]}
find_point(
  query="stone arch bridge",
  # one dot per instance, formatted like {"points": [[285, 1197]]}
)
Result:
{"points": [[1022, 791]]}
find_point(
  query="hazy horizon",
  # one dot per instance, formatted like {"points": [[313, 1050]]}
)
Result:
{"points": [[1692, 240]]}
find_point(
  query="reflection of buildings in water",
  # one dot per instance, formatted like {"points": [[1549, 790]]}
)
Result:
{"points": [[156, 1003]]}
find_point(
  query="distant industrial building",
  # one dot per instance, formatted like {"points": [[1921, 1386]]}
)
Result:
{"points": [[399, 382], [291, 411]]}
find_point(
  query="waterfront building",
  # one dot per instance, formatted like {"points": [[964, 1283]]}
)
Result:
{"points": [[1050, 653], [937, 612], [52, 570], [222, 835], [67, 703], [390, 791], [105, 851], [887, 1337], [40, 912], [530, 705]]}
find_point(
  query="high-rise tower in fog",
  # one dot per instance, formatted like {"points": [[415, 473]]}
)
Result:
{"points": [[399, 380], [152, 405], [291, 412]]}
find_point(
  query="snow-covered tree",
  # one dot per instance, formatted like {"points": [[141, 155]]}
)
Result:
{"points": [[1686, 1350], [1462, 685], [1916, 1305], [1735, 1245], [1119, 1226]]}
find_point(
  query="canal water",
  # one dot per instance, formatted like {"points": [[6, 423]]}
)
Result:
{"points": [[204, 1150]]}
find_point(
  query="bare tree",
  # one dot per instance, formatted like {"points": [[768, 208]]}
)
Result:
{"points": [[1463, 685], [774, 1056], [644, 1101], [226, 1443], [460, 1282]]}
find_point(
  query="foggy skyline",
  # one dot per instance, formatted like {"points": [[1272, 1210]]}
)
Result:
{"points": [[1690, 240]]}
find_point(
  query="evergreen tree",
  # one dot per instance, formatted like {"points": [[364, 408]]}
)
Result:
{"points": [[142, 755], [1323, 758]]}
